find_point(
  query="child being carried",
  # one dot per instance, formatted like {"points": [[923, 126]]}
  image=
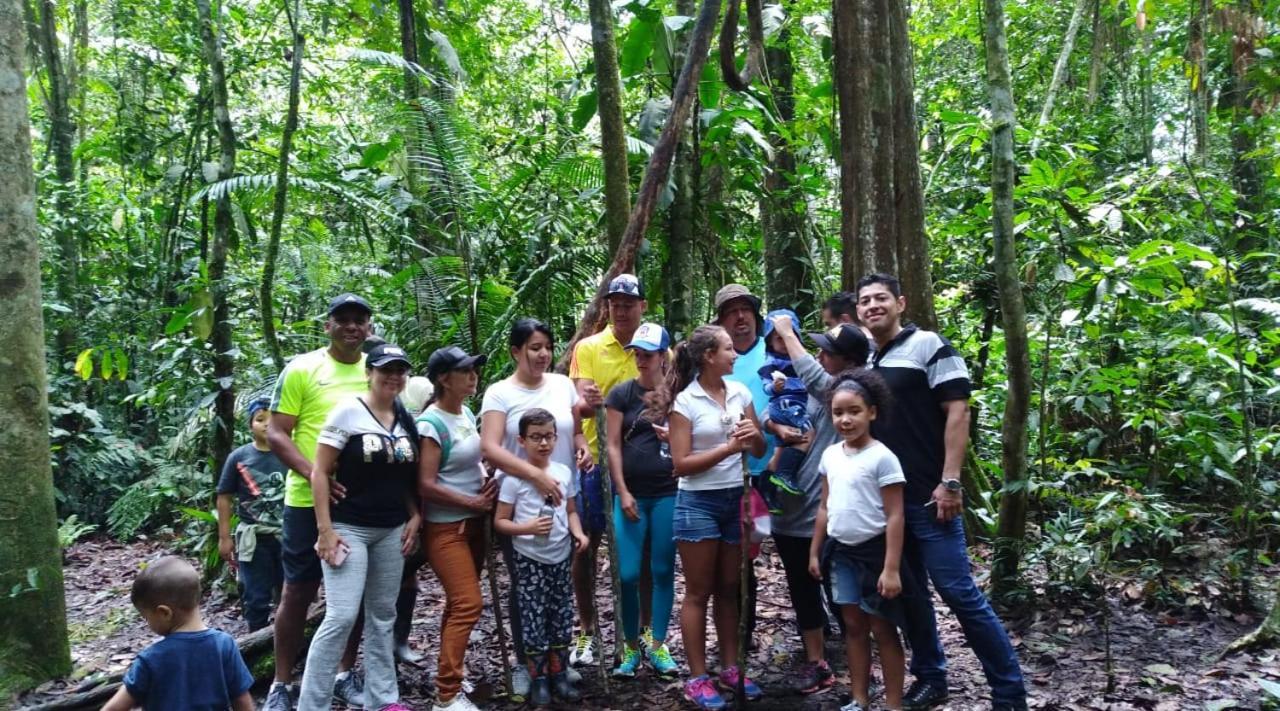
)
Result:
{"points": [[788, 399]]}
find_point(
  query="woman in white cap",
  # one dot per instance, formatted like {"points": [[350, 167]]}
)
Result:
{"points": [[644, 506]]}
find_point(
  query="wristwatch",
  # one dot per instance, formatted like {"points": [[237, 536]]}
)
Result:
{"points": [[952, 484]]}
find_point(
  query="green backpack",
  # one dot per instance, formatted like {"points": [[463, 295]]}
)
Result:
{"points": [[442, 430]]}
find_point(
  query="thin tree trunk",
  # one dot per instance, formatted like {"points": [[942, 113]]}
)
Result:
{"points": [[1059, 70], [755, 45], [1096, 50], [62, 141], [1199, 90], [1237, 99], [220, 340], [613, 132], [783, 211], [1013, 504], [1147, 124], [80, 65], [655, 175], [913, 245], [33, 618], [409, 48], [679, 272], [272, 251]]}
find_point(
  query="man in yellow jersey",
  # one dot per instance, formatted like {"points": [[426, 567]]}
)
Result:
{"points": [[306, 390], [599, 363]]}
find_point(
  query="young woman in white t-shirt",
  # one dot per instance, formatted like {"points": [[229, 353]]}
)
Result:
{"points": [[529, 387], [857, 538], [712, 426]]}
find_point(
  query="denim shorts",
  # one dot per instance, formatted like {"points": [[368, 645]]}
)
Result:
{"points": [[709, 515], [846, 582]]}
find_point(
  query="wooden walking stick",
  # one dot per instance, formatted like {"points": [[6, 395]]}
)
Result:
{"points": [[491, 565], [615, 579], [744, 588], [602, 471]]}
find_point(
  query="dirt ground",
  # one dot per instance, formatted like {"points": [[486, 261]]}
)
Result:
{"points": [[1162, 661]]}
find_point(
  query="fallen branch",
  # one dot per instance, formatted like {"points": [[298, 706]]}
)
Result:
{"points": [[1266, 634], [252, 647]]}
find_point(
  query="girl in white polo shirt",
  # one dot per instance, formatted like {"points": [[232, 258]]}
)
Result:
{"points": [[712, 426], [857, 538]]}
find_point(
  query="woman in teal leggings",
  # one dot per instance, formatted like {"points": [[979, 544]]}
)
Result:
{"points": [[640, 465]]}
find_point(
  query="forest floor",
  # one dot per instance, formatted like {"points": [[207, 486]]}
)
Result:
{"points": [[1164, 659]]}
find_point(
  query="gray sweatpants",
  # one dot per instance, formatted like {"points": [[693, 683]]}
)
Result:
{"points": [[371, 571]]}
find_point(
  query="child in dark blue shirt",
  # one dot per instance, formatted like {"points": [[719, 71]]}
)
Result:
{"points": [[788, 400], [193, 668]]}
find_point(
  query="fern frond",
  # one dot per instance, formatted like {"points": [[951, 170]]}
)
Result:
{"points": [[1267, 307], [386, 59]]}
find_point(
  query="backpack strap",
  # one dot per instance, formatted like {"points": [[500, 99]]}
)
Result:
{"points": [[446, 441]]}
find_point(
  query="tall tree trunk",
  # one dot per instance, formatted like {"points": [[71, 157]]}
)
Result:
{"points": [[881, 200], [220, 340], [272, 251], [1147, 124], [1238, 101], [1013, 503], [1059, 71], [1096, 50], [62, 141], [913, 245], [680, 271], [783, 211], [613, 132], [655, 175], [80, 67], [33, 616], [1199, 90], [409, 48]]}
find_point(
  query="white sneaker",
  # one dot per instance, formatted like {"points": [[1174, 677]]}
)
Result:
{"points": [[520, 682], [459, 702], [405, 653], [584, 651]]}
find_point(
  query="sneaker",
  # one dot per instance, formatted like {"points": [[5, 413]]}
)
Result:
{"points": [[853, 706], [540, 694], [660, 658], [646, 639], [405, 653], [729, 682], [786, 483], [922, 695], [703, 693], [573, 675], [584, 651], [279, 698], [631, 660], [397, 706], [348, 688], [520, 683], [813, 677], [459, 702]]}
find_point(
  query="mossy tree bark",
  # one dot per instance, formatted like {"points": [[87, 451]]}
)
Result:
{"points": [[33, 622], [1013, 504], [220, 339], [613, 132]]}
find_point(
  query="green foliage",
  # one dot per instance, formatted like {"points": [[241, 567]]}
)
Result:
{"points": [[71, 530]]}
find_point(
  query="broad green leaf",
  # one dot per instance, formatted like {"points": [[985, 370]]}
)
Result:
{"points": [[201, 314], [637, 46], [122, 363], [374, 154], [84, 364], [108, 365], [585, 110]]}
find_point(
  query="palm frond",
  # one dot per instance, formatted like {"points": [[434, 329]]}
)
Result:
{"points": [[385, 214], [386, 59]]}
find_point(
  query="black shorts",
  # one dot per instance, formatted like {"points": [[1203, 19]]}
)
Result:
{"points": [[298, 549]]}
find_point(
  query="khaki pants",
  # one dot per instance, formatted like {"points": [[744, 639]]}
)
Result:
{"points": [[455, 551]]}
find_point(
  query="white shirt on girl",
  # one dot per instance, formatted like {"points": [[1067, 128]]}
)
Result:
{"points": [[711, 425], [527, 504], [556, 395], [462, 472], [855, 508]]}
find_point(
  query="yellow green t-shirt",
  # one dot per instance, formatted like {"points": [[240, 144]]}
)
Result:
{"points": [[601, 358], [308, 388]]}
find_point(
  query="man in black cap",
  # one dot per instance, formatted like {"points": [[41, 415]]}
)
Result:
{"points": [[306, 390]]}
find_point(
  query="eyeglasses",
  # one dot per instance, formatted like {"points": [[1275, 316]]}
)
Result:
{"points": [[541, 438]]}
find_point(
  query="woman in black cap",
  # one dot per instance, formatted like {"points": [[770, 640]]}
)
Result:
{"points": [[369, 446], [456, 497]]}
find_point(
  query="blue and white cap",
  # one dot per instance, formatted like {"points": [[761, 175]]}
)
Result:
{"points": [[650, 337], [627, 285]]}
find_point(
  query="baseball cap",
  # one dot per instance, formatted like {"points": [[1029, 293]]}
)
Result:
{"points": [[254, 407], [650, 337], [349, 299], [627, 285], [729, 292], [768, 321], [452, 358], [844, 339], [386, 354]]}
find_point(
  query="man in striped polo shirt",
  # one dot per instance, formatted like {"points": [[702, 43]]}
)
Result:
{"points": [[929, 430]]}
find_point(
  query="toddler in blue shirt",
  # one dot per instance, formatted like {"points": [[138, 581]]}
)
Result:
{"points": [[788, 401], [193, 668]]}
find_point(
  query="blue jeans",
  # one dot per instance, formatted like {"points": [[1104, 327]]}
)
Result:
{"points": [[657, 518], [260, 577], [938, 549]]}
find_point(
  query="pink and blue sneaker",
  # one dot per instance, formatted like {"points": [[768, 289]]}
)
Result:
{"points": [[729, 682], [703, 693]]}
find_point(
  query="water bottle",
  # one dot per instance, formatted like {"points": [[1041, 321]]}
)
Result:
{"points": [[547, 511]]}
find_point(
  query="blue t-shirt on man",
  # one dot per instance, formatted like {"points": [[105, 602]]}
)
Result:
{"points": [[745, 371], [193, 671]]}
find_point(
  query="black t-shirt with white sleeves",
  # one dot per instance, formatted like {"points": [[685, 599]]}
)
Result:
{"points": [[646, 467], [378, 466]]}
